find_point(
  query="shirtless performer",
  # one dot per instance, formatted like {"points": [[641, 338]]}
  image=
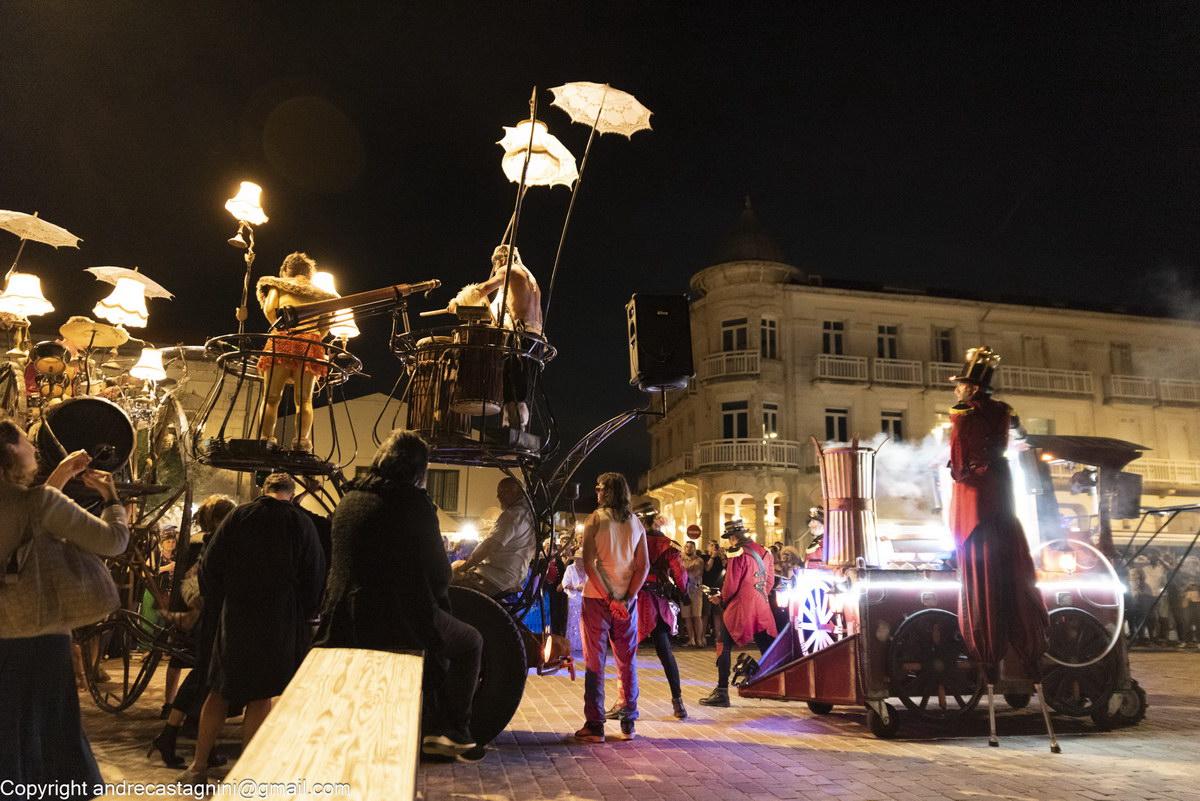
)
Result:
{"points": [[523, 314], [293, 287]]}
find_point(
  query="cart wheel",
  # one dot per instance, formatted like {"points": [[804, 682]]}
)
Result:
{"points": [[1076, 636], [818, 708], [115, 667], [502, 667], [1017, 700], [930, 670], [884, 731], [1124, 708]]}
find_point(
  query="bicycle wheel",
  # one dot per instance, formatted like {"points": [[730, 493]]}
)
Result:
{"points": [[118, 661]]}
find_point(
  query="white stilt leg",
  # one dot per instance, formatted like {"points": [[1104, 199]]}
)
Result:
{"points": [[1054, 749], [993, 740]]}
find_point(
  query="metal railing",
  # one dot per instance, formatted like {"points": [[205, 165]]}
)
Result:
{"points": [[938, 374], [897, 371], [779, 452], [673, 467], [1173, 472], [1175, 390], [730, 363], [1129, 387], [841, 368], [1044, 380]]}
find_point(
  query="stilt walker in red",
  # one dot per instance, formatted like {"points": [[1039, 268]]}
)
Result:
{"points": [[1000, 607]]}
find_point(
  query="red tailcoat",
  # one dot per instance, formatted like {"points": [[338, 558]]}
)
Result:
{"points": [[651, 607], [999, 605], [744, 593]]}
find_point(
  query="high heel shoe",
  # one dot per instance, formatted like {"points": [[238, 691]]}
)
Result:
{"points": [[164, 744]]}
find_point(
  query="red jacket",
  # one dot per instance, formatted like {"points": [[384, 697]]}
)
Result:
{"points": [[982, 482], [664, 557], [744, 593]]}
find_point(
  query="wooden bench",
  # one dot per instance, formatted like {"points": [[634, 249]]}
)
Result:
{"points": [[348, 716]]}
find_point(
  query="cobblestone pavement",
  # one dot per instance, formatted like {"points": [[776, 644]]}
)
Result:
{"points": [[773, 750]]}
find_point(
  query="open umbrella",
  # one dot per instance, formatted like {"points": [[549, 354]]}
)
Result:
{"points": [[606, 110], [550, 163], [110, 275], [31, 226]]}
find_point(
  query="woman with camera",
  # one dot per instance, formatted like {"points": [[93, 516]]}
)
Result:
{"points": [[39, 708]]}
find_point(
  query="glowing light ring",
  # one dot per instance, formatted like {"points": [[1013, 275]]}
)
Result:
{"points": [[1119, 605], [817, 625]]}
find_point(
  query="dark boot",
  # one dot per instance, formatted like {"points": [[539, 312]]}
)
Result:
{"points": [[718, 697], [677, 708], [164, 744]]}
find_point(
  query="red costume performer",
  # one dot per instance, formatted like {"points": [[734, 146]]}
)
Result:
{"points": [[744, 592], [652, 603], [999, 604], [749, 576]]}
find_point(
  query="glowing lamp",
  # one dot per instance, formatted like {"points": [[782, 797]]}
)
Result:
{"points": [[125, 305], [246, 205], [1067, 562], [23, 296], [149, 365], [550, 163], [342, 325]]}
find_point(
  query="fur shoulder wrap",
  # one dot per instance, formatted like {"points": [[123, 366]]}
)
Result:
{"points": [[307, 290]]}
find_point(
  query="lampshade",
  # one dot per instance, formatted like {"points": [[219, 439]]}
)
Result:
{"points": [[23, 296], [343, 326], [149, 365], [550, 162], [125, 305], [246, 205]]}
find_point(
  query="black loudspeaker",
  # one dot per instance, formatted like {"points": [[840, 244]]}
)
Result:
{"points": [[660, 342], [1128, 504]]}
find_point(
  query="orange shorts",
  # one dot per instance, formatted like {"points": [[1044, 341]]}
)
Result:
{"points": [[306, 345]]}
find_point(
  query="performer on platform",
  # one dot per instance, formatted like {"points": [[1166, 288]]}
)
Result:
{"points": [[294, 357], [749, 575], [999, 604], [522, 314]]}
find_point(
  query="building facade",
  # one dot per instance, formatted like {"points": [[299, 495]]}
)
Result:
{"points": [[783, 357]]}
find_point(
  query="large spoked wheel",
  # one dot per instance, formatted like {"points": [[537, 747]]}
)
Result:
{"points": [[502, 668], [931, 672], [816, 622], [117, 664], [1077, 637]]}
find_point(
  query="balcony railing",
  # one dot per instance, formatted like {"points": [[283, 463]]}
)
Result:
{"points": [[1129, 388], [730, 363], [897, 371], [841, 368], [741, 452], [1170, 472], [940, 373], [1174, 390], [1044, 380], [672, 468]]}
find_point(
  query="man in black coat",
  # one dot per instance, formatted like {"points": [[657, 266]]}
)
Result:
{"points": [[389, 585], [262, 573]]}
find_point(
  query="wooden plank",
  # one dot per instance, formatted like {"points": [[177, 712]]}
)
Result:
{"points": [[348, 716]]}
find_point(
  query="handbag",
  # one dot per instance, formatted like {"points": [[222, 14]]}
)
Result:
{"points": [[51, 586]]}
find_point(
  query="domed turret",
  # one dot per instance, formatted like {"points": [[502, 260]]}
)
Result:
{"points": [[747, 240]]}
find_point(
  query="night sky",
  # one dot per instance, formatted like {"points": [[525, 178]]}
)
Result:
{"points": [[1050, 150]]}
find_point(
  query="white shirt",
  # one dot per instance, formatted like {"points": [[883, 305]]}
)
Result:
{"points": [[574, 577], [515, 542], [616, 545]]}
